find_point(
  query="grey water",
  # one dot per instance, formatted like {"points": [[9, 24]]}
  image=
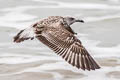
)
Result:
{"points": [[31, 60]]}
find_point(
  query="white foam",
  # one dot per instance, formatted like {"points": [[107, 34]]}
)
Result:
{"points": [[79, 5], [14, 16], [100, 52], [101, 73], [114, 1], [100, 18], [15, 58], [9, 58], [88, 6]]}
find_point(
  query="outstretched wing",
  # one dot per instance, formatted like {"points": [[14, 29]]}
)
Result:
{"points": [[68, 46]]}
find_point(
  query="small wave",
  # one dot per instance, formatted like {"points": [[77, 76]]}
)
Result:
{"points": [[16, 15], [100, 18], [100, 52], [79, 5]]}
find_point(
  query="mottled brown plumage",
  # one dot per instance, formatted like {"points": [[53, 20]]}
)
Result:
{"points": [[55, 32]]}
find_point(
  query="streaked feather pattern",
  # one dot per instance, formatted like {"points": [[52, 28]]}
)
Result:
{"points": [[68, 47], [61, 40]]}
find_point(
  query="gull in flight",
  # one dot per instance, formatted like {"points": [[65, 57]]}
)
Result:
{"points": [[56, 33]]}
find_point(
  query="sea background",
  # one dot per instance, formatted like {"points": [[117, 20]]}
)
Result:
{"points": [[31, 60]]}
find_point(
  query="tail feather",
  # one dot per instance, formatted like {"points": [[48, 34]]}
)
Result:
{"points": [[24, 34]]}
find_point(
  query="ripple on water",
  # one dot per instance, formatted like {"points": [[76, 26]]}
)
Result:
{"points": [[114, 74], [29, 76], [68, 74]]}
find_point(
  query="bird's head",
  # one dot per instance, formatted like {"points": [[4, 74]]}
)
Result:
{"points": [[71, 20]]}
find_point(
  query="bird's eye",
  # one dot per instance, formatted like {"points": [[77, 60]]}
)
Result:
{"points": [[72, 18]]}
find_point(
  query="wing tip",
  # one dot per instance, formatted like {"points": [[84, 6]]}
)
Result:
{"points": [[91, 65], [20, 37], [88, 69]]}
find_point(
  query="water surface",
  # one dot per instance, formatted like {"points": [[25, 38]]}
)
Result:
{"points": [[31, 60]]}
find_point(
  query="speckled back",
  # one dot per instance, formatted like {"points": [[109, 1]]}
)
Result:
{"points": [[49, 21]]}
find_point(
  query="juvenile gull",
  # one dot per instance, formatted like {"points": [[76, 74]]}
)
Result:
{"points": [[56, 33]]}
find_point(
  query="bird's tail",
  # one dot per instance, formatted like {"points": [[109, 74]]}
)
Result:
{"points": [[24, 34]]}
